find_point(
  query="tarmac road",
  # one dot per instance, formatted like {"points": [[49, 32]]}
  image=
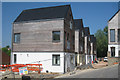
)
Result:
{"points": [[106, 72]]}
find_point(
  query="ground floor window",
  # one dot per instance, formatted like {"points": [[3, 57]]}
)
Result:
{"points": [[56, 60], [112, 51], [14, 58]]}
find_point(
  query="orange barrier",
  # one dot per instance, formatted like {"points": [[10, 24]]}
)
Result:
{"points": [[15, 67], [116, 63]]}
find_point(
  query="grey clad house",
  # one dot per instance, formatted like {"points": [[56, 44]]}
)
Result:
{"points": [[93, 48], [114, 35], [79, 41], [45, 35], [87, 45]]}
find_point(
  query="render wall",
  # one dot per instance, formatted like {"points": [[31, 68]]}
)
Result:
{"points": [[45, 59]]}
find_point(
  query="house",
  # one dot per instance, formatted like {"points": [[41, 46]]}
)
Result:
{"points": [[114, 35], [79, 41], [93, 48], [45, 36], [5, 58], [87, 45]]}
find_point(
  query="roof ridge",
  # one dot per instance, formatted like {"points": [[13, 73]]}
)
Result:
{"points": [[47, 7]]}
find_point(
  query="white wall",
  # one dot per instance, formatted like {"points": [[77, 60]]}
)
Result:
{"points": [[46, 60], [44, 57], [117, 49], [88, 59], [91, 58]]}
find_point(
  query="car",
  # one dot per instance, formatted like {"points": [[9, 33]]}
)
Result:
{"points": [[105, 59]]}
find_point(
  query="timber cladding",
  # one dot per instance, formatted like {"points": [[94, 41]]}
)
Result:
{"points": [[37, 36]]}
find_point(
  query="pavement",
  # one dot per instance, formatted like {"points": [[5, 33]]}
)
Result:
{"points": [[104, 72]]}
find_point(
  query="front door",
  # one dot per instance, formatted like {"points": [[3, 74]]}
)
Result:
{"points": [[119, 53], [112, 51]]}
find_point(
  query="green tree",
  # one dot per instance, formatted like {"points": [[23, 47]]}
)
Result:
{"points": [[5, 50], [102, 42]]}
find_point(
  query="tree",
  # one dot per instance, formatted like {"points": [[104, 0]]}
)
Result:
{"points": [[102, 42], [5, 50]]}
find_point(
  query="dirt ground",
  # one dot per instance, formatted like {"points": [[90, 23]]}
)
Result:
{"points": [[100, 64]]}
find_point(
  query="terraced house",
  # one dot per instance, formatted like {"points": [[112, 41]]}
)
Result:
{"points": [[45, 35], [79, 41], [93, 48], [114, 35], [87, 45]]}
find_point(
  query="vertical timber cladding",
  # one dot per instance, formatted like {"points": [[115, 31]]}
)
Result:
{"points": [[69, 31], [37, 36]]}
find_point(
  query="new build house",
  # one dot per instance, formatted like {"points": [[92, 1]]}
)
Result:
{"points": [[114, 35], [87, 45], [79, 41], [45, 36], [93, 48]]}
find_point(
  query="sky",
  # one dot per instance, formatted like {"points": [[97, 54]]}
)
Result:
{"points": [[95, 15]]}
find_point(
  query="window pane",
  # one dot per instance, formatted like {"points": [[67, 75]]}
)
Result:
{"points": [[112, 35], [118, 35], [56, 60], [17, 37], [56, 35]]}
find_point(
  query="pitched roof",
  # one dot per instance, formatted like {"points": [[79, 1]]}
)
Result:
{"points": [[43, 13], [114, 15], [86, 29], [78, 23]]}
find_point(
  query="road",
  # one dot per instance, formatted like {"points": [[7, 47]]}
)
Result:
{"points": [[106, 72]]}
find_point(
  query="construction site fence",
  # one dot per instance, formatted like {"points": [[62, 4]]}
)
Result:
{"points": [[15, 67]]}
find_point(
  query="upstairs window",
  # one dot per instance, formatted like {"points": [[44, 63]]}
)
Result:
{"points": [[82, 33], [17, 38], [112, 35], [118, 35], [70, 24], [56, 36], [68, 41]]}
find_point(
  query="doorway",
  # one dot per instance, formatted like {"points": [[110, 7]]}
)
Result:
{"points": [[112, 51]]}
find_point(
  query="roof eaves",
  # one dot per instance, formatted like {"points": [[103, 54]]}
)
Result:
{"points": [[114, 15]]}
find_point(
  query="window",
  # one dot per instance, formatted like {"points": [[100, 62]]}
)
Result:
{"points": [[89, 38], [56, 36], [17, 38], [82, 34], [81, 48], [14, 58], [118, 35], [68, 41], [27, 55], [64, 39], [70, 24], [112, 35], [71, 59], [56, 60]]}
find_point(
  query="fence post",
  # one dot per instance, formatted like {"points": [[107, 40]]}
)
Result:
{"points": [[39, 68]]}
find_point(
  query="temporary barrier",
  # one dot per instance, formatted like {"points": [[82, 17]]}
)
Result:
{"points": [[15, 67]]}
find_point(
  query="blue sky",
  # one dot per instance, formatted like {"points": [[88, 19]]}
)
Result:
{"points": [[94, 14]]}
